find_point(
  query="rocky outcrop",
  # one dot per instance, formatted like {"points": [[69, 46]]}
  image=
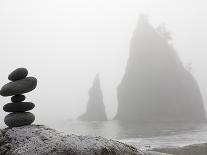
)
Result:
{"points": [[156, 86], [95, 110], [40, 140]]}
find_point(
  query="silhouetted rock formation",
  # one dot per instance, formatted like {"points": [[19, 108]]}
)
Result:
{"points": [[156, 87], [95, 109]]}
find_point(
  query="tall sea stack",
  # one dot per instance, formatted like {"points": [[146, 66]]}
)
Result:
{"points": [[95, 110], [156, 86]]}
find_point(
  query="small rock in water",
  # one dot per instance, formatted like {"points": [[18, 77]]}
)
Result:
{"points": [[19, 119], [19, 87], [18, 74], [18, 106], [18, 98]]}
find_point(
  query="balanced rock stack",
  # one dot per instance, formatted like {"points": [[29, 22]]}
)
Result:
{"points": [[20, 84]]}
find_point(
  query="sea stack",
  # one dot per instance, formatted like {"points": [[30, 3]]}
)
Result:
{"points": [[20, 84], [95, 110], [156, 86]]}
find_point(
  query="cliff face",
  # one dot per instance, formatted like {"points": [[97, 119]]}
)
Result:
{"points": [[40, 140], [95, 110], [156, 87]]}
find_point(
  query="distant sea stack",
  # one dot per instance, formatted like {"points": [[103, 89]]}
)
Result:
{"points": [[95, 110], [156, 86]]}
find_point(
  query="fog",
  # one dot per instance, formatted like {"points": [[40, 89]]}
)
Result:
{"points": [[65, 43]]}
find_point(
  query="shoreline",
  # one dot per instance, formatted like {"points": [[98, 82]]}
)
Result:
{"points": [[194, 149]]}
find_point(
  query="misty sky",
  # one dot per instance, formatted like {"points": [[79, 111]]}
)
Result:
{"points": [[64, 43]]}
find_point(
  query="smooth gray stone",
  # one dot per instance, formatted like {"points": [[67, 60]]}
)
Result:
{"points": [[18, 98], [18, 106], [19, 87], [19, 119], [18, 74]]}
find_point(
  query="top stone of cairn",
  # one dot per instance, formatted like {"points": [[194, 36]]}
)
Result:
{"points": [[18, 74]]}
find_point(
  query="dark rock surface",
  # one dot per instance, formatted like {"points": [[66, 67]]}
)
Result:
{"points": [[19, 87], [156, 86], [18, 107], [19, 119], [18, 74], [95, 110], [40, 140], [18, 98]]}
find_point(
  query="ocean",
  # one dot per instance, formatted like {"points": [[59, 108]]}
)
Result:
{"points": [[143, 136]]}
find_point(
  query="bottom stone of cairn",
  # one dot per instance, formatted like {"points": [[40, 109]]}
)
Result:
{"points": [[19, 119]]}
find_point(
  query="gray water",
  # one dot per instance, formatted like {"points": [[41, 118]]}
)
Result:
{"points": [[142, 136]]}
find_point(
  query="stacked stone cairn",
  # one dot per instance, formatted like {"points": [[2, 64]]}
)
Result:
{"points": [[19, 85]]}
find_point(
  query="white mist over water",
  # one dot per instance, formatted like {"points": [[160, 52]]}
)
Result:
{"points": [[64, 43], [143, 136]]}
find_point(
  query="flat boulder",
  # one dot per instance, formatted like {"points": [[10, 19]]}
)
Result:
{"points": [[19, 87], [39, 140]]}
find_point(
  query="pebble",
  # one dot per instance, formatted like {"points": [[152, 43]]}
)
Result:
{"points": [[18, 107], [18, 74], [18, 98]]}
